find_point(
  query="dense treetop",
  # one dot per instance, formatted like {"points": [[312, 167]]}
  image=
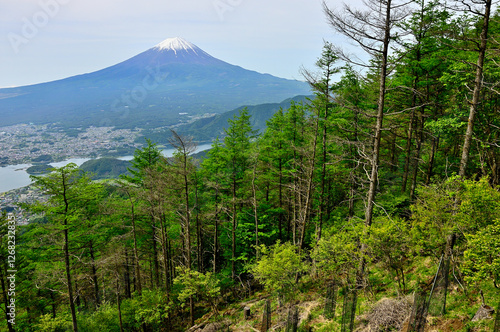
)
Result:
{"points": [[384, 184]]}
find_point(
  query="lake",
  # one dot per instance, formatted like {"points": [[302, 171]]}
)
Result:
{"points": [[15, 176]]}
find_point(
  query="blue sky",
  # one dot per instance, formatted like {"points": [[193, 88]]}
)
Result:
{"points": [[45, 40]]}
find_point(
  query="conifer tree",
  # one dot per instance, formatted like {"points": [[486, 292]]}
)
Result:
{"points": [[69, 192], [237, 145]]}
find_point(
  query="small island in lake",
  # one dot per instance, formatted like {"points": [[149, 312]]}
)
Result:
{"points": [[39, 169]]}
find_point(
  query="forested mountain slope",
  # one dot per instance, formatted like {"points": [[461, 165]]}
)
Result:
{"points": [[377, 200]]}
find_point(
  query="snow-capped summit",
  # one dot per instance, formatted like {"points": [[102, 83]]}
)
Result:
{"points": [[148, 89], [176, 44], [178, 49]]}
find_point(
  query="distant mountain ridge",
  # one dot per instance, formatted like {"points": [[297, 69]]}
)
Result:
{"points": [[148, 90], [207, 129]]}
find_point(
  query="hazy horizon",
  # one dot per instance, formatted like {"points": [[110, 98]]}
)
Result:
{"points": [[46, 40]]}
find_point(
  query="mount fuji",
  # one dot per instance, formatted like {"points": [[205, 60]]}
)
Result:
{"points": [[159, 87]]}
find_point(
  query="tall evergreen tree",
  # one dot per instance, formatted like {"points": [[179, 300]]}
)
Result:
{"points": [[69, 192], [237, 145]]}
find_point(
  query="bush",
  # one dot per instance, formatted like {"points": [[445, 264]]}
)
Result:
{"points": [[278, 266], [104, 319], [195, 284], [60, 323]]}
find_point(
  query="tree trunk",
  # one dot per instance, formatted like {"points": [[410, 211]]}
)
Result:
{"points": [[478, 84], [199, 235], [68, 277], [409, 135], [216, 230], [233, 231], [188, 230], [309, 191], [448, 252], [94, 276], [53, 304], [188, 223], [376, 141], [156, 270], [118, 300], [380, 117], [164, 246], [171, 264], [266, 317], [138, 284], [323, 197], [66, 254], [256, 217], [420, 131], [280, 195], [435, 144], [450, 241], [352, 174], [127, 275]]}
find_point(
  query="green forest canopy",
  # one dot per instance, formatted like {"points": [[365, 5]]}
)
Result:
{"points": [[386, 174]]}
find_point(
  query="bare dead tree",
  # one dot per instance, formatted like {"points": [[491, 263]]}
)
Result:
{"points": [[185, 147], [482, 8], [372, 29]]}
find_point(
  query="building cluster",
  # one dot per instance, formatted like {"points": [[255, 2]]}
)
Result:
{"points": [[11, 202], [25, 143]]}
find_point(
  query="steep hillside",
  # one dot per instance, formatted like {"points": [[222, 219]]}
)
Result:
{"points": [[207, 129]]}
